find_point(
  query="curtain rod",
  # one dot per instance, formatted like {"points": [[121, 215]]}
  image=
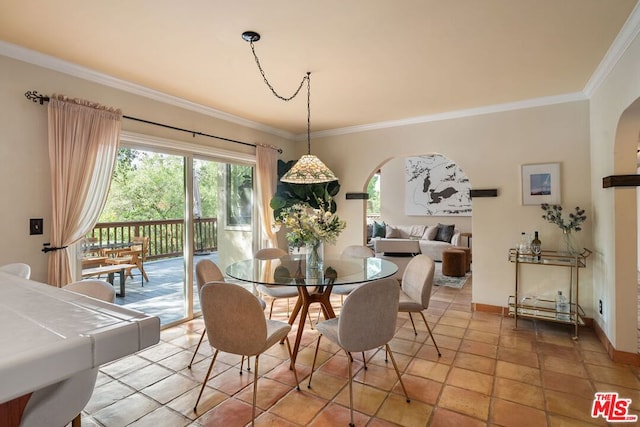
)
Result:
{"points": [[36, 97]]}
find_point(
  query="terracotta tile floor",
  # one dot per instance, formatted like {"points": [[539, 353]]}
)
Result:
{"points": [[488, 375]]}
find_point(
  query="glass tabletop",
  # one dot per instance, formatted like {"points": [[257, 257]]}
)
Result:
{"points": [[291, 271]]}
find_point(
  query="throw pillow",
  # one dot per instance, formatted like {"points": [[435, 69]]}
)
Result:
{"points": [[445, 232], [379, 229], [392, 232], [430, 232]]}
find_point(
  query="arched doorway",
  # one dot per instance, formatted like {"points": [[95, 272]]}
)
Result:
{"points": [[391, 178], [626, 316]]}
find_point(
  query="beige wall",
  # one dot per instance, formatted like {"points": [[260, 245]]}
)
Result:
{"points": [[490, 149], [24, 161], [613, 150]]}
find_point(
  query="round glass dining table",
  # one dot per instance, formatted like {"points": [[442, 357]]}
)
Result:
{"points": [[313, 287]]}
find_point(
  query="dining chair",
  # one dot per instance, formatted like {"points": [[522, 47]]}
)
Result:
{"points": [[99, 289], [208, 271], [415, 294], [274, 291], [367, 321], [277, 291], [352, 251], [19, 269], [235, 323], [61, 403]]}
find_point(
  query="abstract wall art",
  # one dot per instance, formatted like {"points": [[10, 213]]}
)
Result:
{"points": [[436, 186]]}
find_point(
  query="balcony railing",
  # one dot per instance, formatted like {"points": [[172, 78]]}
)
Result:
{"points": [[166, 237]]}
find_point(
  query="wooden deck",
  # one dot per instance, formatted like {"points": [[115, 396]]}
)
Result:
{"points": [[163, 294]]}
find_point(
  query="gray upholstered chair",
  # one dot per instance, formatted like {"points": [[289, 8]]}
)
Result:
{"points": [[61, 403], [17, 269], [99, 289], [235, 323], [367, 321], [275, 291], [417, 281], [208, 271], [353, 251]]}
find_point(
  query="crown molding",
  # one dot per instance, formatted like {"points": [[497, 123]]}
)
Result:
{"points": [[55, 64], [623, 40], [489, 109]]}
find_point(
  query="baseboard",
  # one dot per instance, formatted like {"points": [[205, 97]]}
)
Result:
{"points": [[615, 355], [486, 308]]}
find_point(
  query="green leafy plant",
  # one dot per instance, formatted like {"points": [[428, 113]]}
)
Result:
{"points": [[553, 214], [314, 195]]}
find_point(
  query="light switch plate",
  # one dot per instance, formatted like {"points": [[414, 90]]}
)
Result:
{"points": [[35, 226]]}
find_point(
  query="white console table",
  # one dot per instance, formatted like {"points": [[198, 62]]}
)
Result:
{"points": [[48, 334]]}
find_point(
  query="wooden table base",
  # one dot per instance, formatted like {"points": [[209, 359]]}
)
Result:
{"points": [[305, 299]]}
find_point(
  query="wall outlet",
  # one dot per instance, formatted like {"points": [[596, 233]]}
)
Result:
{"points": [[600, 306]]}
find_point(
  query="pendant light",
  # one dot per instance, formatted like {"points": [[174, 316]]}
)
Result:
{"points": [[309, 169]]}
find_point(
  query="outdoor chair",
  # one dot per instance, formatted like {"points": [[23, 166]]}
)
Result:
{"points": [[17, 269], [134, 254], [415, 293], [61, 403], [367, 321], [235, 323]]}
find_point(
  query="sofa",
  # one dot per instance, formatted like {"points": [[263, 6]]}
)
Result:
{"points": [[401, 242]]}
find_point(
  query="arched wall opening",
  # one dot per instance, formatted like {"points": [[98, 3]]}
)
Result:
{"points": [[626, 317], [393, 193]]}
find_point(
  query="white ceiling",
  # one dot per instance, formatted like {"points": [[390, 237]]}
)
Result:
{"points": [[371, 61]]}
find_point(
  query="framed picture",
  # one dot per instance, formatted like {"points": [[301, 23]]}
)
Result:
{"points": [[541, 183]]}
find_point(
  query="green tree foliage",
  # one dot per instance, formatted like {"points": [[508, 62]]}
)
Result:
{"points": [[373, 204], [150, 186]]}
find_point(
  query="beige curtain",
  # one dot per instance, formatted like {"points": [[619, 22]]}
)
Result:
{"points": [[83, 146], [267, 175]]}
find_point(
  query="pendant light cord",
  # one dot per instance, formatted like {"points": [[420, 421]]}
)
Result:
{"points": [[288, 98]]}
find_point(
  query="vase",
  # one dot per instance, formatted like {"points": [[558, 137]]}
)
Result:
{"points": [[315, 260], [570, 242]]}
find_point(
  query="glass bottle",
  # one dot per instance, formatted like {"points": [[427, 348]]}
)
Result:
{"points": [[536, 247], [563, 311]]}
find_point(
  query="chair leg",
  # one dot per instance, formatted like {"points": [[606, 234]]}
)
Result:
{"points": [[395, 366], [206, 378], [351, 424], [255, 391], [413, 324], [248, 364], [432, 337], [271, 307], [77, 421], [196, 350], [313, 364]]}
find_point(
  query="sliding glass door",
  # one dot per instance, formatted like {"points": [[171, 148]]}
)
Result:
{"points": [[187, 208]]}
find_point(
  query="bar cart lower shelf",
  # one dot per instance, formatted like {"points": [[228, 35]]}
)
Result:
{"points": [[544, 309]]}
